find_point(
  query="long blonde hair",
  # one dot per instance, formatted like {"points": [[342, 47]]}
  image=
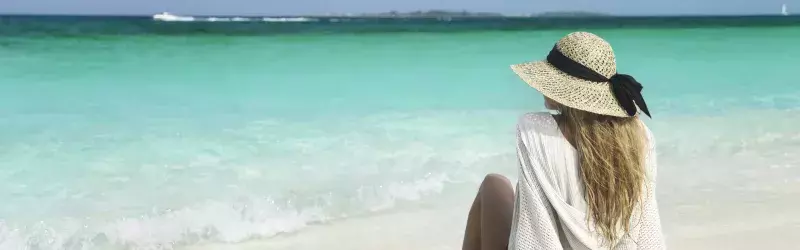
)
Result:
{"points": [[611, 152]]}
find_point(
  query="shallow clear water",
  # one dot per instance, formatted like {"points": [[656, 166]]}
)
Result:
{"points": [[153, 142]]}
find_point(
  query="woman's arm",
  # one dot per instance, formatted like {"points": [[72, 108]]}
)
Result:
{"points": [[534, 222], [650, 233]]}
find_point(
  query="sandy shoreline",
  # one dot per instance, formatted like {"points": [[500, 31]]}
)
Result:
{"points": [[435, 230], [391, 231], [778, 237]]}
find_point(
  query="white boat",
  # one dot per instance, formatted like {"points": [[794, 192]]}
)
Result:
{"points": [[784, 11], [167, 17]]}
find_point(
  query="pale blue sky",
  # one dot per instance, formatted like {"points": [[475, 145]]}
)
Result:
{"points": [[312, 7]]}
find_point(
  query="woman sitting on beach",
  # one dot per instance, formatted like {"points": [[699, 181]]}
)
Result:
{"points": [[587, 174]]}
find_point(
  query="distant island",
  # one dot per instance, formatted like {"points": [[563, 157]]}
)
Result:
{"points": [[571, 14], [432, 14], [463, 13]]}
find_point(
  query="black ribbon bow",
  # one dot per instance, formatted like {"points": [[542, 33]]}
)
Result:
{"points": [[624, 87]]}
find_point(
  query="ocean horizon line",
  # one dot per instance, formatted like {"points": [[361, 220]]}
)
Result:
{"points": [[75, 25], [376, 16]]}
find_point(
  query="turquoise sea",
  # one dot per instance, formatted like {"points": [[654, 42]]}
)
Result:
{"points": [[126, 133]]}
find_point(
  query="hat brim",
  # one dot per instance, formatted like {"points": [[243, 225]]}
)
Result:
{"points": [[568, 90]]}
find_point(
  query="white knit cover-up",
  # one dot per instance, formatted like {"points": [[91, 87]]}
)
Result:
{"points": [[550, 210]]}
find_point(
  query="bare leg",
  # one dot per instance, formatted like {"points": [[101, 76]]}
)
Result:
{"points": [[489, 221]]}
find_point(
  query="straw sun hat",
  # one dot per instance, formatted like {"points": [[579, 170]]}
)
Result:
{"points": [[581, 72]]}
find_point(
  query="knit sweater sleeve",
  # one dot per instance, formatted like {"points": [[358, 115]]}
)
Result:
{"points": [[649, 232], [534, 224]]}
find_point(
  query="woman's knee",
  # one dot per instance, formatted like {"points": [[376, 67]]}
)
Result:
{"points": [[496, 182], [497, 192]]}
